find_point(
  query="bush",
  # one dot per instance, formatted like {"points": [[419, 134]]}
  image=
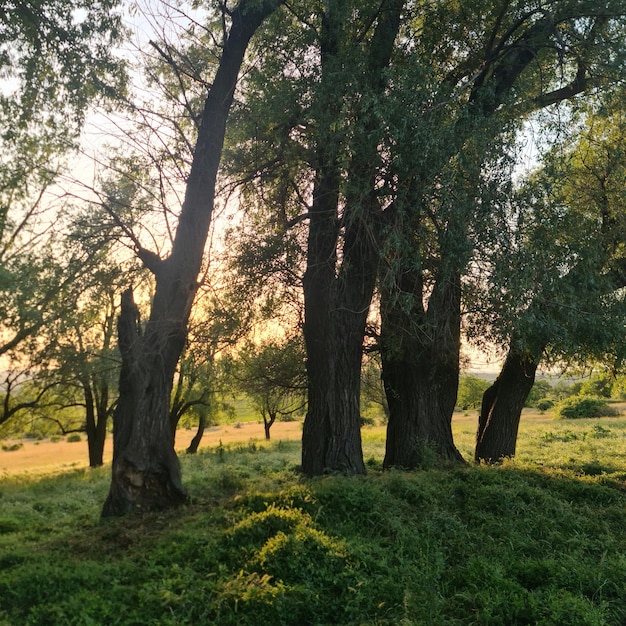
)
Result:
{"points": [[545, 404], [578, 407], [73, 437]]}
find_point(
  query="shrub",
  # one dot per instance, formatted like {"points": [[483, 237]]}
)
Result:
{"points": [[578, 407], [599, 385], [73, 437], [545, 404]]}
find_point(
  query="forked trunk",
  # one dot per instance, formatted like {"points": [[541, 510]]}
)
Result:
{"points": [[268, 422], [146, 472], [502, 406], [420, 356], [421, 399], [338, 295]]}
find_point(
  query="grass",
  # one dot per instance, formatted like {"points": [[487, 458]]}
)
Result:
{"points": [[538, 540]]}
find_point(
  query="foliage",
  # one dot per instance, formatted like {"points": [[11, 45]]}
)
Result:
{"points": [[584, 407], [373, 397], [545, 404], [56, 60], [432, 547], [600, 385], [471, 390], [272, 375], [541, 390]]}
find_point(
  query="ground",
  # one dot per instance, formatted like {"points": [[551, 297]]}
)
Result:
{"points": [[36, 457]]}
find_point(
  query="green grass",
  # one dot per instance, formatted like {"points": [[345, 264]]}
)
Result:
{"points": [[538, 540]]}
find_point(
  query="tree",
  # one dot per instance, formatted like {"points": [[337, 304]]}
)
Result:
{"points": [[146, 472], [272, 374], [339, 283], [83, 360], [56, 60], [570, 235], [486, 88], [471, 389], [336, 135], [316, 158]]}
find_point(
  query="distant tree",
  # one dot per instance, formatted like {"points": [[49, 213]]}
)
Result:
{"points": [[87, 361], [273, 375], [471, 389]]}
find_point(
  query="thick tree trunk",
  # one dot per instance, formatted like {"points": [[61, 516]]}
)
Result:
{"points": [[146, 472], [420, 355], [502, 406], [336, 312], [337, 302], [318, 284]]}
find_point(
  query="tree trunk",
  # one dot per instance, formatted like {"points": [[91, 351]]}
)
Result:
{"points": [[502, 406], [197, 438], [337, 301], [420, 357], [146, 472], [268, 422], [95, 459], [95, 422]]}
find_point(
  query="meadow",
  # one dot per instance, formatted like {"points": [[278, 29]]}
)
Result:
{"points": [[537, 540]]}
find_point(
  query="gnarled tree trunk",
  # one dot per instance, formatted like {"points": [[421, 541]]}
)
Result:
{"points": [[420, 355], [146, 473]]}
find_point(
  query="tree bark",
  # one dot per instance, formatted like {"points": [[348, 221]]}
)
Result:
{"points": [[146, 472], [502, 406], [420, 352]]}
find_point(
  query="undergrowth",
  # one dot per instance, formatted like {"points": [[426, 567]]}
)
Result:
{"points": [[521, 543]]}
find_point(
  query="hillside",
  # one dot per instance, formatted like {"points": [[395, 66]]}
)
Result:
{"points": [[538, 542]]}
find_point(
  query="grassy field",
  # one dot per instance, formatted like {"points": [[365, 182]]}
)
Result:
{"points": [[539, 540]]}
